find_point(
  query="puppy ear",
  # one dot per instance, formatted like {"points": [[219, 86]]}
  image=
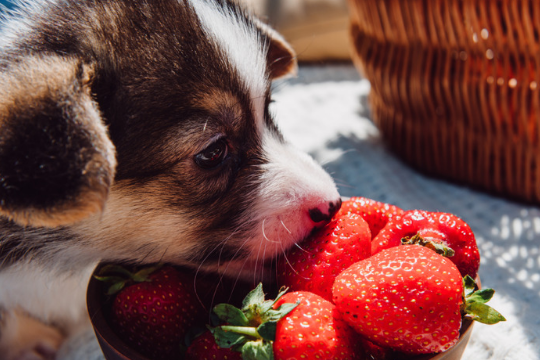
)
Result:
{"points": [[281, 57], [57, 162]]}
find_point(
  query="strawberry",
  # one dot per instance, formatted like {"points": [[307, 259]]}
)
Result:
{"points": [[376, 213], [204, 347], [153, 308], [298, 325], [410, 299], [444, 233], [314, 266], [313, 330]]}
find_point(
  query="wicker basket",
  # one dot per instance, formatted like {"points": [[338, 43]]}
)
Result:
{"points": [[455, 86]]}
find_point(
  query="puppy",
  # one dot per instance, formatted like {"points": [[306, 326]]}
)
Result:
{"points": [[139, 132]]}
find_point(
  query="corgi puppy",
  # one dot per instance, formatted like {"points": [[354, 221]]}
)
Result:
{"points": [[139, 132]]}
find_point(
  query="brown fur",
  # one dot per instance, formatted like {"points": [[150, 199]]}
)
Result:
{"points": [[127, 134], [66, 82]]}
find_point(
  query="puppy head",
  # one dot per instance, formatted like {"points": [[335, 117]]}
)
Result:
{"points": [[204, 177]]}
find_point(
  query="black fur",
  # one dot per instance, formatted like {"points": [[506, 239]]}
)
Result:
{"points": [[151, 65], [42, 152], [18, 242], [108, 109]]}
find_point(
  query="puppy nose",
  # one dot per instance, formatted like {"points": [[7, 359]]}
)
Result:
{"points": [[324, 212]]}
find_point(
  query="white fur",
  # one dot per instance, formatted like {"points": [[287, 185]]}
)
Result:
{"points": [[18, 25], [292, 184], [249, 59], [52, 296]]}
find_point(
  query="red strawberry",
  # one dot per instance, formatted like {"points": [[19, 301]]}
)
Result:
{"points": [[313, 330], [153, 309], [204, 347], [299, 325], [314, 266], [376, 213], [409, 298], [434, 229]]}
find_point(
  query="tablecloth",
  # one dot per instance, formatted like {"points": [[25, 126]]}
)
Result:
{"points": [[325, 112]]}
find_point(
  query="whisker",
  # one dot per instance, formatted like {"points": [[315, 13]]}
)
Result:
{"points": [[147, 255], [346, 186], [198, 270], [257, 258], [301, 248], [234, 257], [164, 252], [289, 263], [262, 262], [264, 234], [282, 223]]}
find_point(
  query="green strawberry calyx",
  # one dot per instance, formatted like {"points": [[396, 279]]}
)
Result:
{"points": [[251, 330], [430, 243], [474, 303], [117, 276]]}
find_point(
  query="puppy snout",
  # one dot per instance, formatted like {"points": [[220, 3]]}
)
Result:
{"points": [[325, 212]]}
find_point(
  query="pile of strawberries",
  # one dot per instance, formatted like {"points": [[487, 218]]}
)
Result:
{"points": [[376, 282]]}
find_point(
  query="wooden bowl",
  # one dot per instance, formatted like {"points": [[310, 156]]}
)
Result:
{"points": [[112, 346], [115, 348]]}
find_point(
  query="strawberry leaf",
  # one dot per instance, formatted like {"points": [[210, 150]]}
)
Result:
{"points": [[252, 329], [252, 303], [109, 279], [116, 287], [475, 306], [115, 269], [267, 313], [228, 339], [267, 330], [483, 313], [257, 350], [142, 275], [231, 314], [282, 311], [214, 319], [267, 305], [254, 298], [481, 296], [469, 285]]}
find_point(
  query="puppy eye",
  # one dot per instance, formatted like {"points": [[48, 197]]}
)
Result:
{"points": [[213, 155]]}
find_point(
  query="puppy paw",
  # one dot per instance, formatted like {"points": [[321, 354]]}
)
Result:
{"points": [[25, 338], [41, 351]]}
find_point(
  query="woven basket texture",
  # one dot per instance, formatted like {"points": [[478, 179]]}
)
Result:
{"points": [[455, 87]]}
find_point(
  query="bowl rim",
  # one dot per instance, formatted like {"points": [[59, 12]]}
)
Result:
{"points": [[102, 328]]}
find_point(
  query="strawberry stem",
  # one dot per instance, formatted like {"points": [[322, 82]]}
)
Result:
{"points": [[430, 243], [242, 330]]}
